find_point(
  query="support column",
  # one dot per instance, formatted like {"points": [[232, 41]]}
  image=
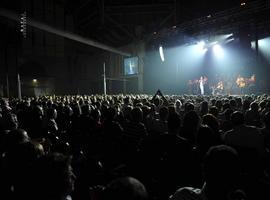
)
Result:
{"points": [[104, 79], [19, 87], [7, 71], [141, 54]]}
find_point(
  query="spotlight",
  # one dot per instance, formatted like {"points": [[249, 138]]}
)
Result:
{"points": [[262, 43], [201, 44], [229, 35], [243, 4], [34, 80], [253, 45], [161, 53], [229, 40], [218, 51]]}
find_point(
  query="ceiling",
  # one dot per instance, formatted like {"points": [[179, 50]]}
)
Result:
{"points": [[119, 22]]}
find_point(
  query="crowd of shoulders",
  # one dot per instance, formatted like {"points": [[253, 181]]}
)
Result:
{"points": [[167, 143]]}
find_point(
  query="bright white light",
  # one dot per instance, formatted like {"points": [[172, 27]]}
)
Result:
{"points": [[161, 53], [230, 40], [201, 44], [253, 45], [34, 80], [218, 51], [262, 42]]}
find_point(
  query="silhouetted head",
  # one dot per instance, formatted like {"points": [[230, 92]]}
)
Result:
{"points": [[204, 107], [246, 104], [125, 188], [16, 136], [221, 167], [237, 118], [206, 138], [85, 109], [37, 112], [10, 121], [95, 113], [174, 123], [137, 114], [254, 106], [54, 177], [178, 103], [267, 120], [110, 113], [214, 111], [51, 113], [218, 104], [189, 107], [191, 120], [211, 121], [163, 113], [228, 112], [233, 104]]}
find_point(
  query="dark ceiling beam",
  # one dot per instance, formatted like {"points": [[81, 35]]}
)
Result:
{"points": [[222, 21], [167, 18], [101, 11], [68, 35], [119, 26], [109, 39], [88, 18], [116, 35], [139, 9], [82, 6]]}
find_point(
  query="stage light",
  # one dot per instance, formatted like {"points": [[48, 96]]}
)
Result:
{"points": [[229, 40], [229, 35], [218, 51], [262, 42], [253, 45], [161, 53], [34, 80], [201, 44]]}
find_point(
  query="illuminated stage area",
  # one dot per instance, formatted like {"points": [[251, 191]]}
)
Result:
{"points": [[224, 64]]}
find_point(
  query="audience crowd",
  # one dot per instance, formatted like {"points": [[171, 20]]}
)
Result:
{"points": [[136, 147]]}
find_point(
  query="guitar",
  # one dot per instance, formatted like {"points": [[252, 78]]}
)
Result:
{"points": [[240, 82], [220, 85]]}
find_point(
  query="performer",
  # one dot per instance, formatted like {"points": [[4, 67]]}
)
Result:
{"points": [[241, 83], [220, 87], [201, 82]]}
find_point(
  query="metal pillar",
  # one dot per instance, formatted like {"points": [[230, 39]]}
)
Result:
{"points": [[104, 79], [19, 87]]}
